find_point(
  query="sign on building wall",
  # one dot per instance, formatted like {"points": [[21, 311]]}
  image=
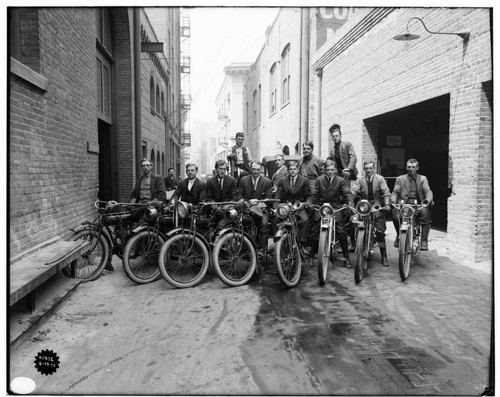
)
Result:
{"points": [[329, 20]]}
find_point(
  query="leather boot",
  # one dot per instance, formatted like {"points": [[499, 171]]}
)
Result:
{"points": [[345, 252], [425, 236], [383, 256], [109, 267]]}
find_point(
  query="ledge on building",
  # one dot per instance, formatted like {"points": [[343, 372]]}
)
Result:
{"points": [[28, 74]]}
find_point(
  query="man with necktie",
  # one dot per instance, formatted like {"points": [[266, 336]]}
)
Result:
{"points": [[280, 172], [413, 188], [220, 188], [191, 189], [373, 187], [292, 188], [257, 186]]}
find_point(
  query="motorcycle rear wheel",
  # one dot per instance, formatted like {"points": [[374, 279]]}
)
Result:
{"points": [[91, 264], [184, 260], [323, 255], [405, 253], [287, 260], [140, 257], [359, 254]]}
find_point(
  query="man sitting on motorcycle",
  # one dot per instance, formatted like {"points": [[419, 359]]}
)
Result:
{"points": [[373, 187], [413, 188], [333, 189]]}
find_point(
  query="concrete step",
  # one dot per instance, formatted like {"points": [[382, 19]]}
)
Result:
{"points": [[22, 323]]}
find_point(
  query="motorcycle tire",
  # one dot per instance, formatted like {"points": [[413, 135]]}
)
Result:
{"points": [[405, 253], [140, 257], [288, 260], [359, 255], [91, 264], [323, 255], [234, 259]]}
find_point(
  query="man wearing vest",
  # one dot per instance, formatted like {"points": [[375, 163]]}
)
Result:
{"points": [[191, 189], [413, 188], [240, 158], [373, 187]]}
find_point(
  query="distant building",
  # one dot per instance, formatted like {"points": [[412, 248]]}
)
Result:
{"points": [[80, 118]]}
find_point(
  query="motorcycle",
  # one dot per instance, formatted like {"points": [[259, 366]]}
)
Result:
{"points": [[108, 234], [410, 233], [288, 252], [365, 240], [327, 251]]}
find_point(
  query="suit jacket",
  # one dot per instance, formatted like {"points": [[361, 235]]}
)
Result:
{"points": [[157, 188], [229, 191], [301, 191], [247, 158], [279, 175], [197, 194], [401, 189], [334, 193], [381, 192], [347, 156], [170, 183], [263, 190]]}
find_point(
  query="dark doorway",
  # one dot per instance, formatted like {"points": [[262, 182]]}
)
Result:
{"points": [[419, 131], [105, 169]]}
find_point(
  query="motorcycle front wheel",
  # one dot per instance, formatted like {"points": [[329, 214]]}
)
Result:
{"points": [[359, 254], [234, 259], [91, 264], [288, 261], [324, 248], [184, 260], [405, 253], [140, 257]]}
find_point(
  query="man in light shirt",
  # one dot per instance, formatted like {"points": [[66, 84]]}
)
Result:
{"points": [[191, 190], [240, 157]]}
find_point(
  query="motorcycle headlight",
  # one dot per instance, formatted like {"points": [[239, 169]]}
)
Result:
{"points": [[231, 215], [151, 214], [282, 211], [407, 212], [183, 209], [326, 211], [363, 207]]}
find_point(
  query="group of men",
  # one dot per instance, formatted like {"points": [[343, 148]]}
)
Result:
{"points": [[311, 180]]}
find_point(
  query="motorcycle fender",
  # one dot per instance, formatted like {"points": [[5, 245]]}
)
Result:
{"points": [[405, 226], [279, 233], [84, 226], [230, 230], [180, 230], [139, 229]]}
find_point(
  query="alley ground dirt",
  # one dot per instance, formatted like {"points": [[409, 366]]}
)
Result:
{"points": [[428, 335]]}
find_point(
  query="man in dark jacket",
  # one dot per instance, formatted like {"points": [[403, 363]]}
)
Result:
{"points": [[170, 181], [149, 187], [191, 189], [221, 187]]}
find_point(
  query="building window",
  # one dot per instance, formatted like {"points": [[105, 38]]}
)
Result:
{"points": [[259, 101], [152, 93], [157, 99], [285, 75], [162, 105], [158, 163], [272, 89], [255, 107]]}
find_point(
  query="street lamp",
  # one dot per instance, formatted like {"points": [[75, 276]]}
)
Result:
{"points": [[408, 36]]}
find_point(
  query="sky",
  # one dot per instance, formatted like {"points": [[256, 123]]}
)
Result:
{"points": [[220, 36]]}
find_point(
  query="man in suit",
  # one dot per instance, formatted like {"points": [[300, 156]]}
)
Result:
{"points": [[280, 172], [170, 181], [221, 187], [373, 188], [240, 158], [191, 189], [333, 189], [292, 188], [257, 186], [413, 188], [310, 166]]}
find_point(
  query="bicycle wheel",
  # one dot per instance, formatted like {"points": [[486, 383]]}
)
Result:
{"points": [[287, 260], [359, 255], [140, 257], [184, 260], [323, 255], [91, 264], [234, 259], [405, 253]]}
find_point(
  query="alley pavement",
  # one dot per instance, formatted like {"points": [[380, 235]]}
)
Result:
{"points": [[429, 335]]}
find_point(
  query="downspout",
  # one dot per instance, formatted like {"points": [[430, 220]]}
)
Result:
{"points": [[304, 77], [137, 91]]}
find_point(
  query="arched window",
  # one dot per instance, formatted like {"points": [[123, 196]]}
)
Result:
{"points": [[272, 89], [152, 159], [285, 75], [163, 170], [158, 163], [152, 93], [162, 105], [158, 99]]}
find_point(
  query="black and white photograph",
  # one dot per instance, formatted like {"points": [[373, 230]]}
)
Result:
{"points": [[249, 199]]}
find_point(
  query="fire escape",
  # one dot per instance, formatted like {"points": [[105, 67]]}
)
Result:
{"points": [[185, 67]]}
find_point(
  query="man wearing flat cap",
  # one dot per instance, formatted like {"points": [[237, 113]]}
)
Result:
{"points": [[343, 154]]}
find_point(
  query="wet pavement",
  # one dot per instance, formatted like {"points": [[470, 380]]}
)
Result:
{"points": [[427, 335]]}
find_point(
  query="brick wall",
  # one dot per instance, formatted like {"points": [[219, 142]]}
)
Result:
{"points": [[376, 74], [53, 179]]}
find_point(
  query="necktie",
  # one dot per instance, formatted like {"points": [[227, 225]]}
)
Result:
{"points": [[293, 182], [254, 184], [221, 183]]}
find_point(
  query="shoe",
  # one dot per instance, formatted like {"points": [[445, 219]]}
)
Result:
{"points": [[109, 267], [261, 254], [383, 257], [347, 263], [424, 246], [396, 242]]}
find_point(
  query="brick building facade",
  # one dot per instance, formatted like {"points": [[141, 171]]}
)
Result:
{"points": [[72, 117]]}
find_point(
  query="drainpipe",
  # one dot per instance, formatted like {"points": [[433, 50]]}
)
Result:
{"points": [[317, 110], [137, 90], [304, 77]]}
